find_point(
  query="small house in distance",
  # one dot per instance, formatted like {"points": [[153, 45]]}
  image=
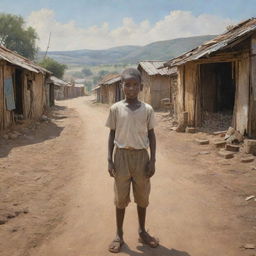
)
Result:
{"points": [[157, 82], [22, 88], [109, 89], [59, 87], [79, 90], [219, 76]]}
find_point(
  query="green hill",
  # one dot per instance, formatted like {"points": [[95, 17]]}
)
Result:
{"points": [[162, 50]]}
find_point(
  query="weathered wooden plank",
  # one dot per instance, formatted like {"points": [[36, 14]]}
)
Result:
{"points": [[242, 93], [1, 96], [252, 112], [180, 90], [191, 81]]}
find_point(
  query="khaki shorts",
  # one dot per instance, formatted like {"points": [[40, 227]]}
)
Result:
{"points": [[130, 166]]}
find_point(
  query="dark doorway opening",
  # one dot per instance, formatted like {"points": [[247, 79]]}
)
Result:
{"points": [[18, 85], [217, 94]]}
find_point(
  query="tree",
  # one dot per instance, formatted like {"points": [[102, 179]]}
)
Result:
{"points": [[102, 73], [88, 85], [14, 35], [54, 66], [86, 71]]}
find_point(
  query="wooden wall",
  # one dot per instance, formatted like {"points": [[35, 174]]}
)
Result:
{"points": [[144, 94], [33, 97], [180, 104], [241, 109], [155, 88], [191, 84], [252, 95]]}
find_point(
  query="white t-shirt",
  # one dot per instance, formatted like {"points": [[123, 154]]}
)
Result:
{"points": [[131, 126]]}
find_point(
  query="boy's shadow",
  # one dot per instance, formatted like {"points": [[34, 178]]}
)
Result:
{"points": [[147, 251]]}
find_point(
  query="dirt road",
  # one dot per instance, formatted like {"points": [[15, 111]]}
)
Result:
{"points": [[197, 204]]}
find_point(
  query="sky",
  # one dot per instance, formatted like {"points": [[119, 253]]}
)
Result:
{"points": [[102, 24]]}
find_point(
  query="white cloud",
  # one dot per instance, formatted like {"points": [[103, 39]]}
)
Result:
{"points": [[68, 36]]}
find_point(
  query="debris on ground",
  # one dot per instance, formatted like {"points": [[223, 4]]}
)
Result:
{"points": [[249, 246], [250, 146], [249, 197], [213, 122], [204, 153], [221, 133], [202, 141], [233, 136], [226, 154], [191, 130], [232, 148], [219, 143], [247, 159]]}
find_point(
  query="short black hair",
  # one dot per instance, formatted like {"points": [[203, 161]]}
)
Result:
{"points": [[131, 72]]}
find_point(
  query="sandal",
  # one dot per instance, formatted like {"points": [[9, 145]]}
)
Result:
{"points": [[146, 238], [116, 245]]}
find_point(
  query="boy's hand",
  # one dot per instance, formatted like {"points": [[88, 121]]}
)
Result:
{"points": [[150, 168], [111, 168]]}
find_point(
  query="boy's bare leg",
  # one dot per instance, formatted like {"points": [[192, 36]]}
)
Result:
{"points": [[142, 218], [119, 222], [144, 235], [118, 241]]}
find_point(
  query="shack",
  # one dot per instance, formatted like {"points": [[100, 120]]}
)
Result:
{"points": [[156, 82], [109, 89], [219, 76], [79, 90], [22, 88], [59, 88]]}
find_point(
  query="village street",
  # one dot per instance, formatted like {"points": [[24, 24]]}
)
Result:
{"points": [[57, 196]]}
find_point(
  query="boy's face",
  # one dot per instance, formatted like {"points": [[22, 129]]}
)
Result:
{"points": [[131, 87]]}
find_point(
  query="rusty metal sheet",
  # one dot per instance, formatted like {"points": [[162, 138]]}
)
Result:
{"points": [[156, 68], [16, 59], [220, 42]]}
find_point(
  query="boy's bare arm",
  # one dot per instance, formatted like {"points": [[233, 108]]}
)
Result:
{"points": [[111, 145], [152, 146]]}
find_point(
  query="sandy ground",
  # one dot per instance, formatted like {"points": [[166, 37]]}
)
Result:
{"points": [[56, 197]]}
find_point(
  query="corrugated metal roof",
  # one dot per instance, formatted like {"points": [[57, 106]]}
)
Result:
{"points": [[96, 88], [16, 59], [113, 80], [243, 29], [156, 68], [109, 79], [57, 81]]}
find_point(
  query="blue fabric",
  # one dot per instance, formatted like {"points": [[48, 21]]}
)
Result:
{"points": [[9, 94]]}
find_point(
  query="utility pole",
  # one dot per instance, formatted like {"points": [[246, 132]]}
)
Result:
{"points": [[48, 45]]}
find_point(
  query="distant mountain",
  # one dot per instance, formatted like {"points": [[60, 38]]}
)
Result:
{"points": [[161, 50]]}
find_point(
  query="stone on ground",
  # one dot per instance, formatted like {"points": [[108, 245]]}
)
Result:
{"points": [[232, 148], [226, 154], [202, 141]]}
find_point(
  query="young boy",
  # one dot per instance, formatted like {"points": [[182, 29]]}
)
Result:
{"points": [[131, 124]]}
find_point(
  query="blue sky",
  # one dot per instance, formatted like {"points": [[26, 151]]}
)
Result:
{"points": [[94, 12], [109, 17]]}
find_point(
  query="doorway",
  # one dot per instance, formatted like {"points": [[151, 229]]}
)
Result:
{"points": [[18, 87], [218, 90]]}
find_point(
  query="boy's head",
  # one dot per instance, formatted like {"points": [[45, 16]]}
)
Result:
{"points": [[131, 82]]}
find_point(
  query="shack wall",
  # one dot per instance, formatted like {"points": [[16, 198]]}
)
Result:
{"points": [[252, 91], [191, 83], [242, 95], [159, 89], [8, 116]]}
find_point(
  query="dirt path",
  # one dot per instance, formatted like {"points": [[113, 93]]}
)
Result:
{"points": [[197, 204]]}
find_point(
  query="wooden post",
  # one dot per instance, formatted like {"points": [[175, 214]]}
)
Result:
{"points": [[252, 111]]}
